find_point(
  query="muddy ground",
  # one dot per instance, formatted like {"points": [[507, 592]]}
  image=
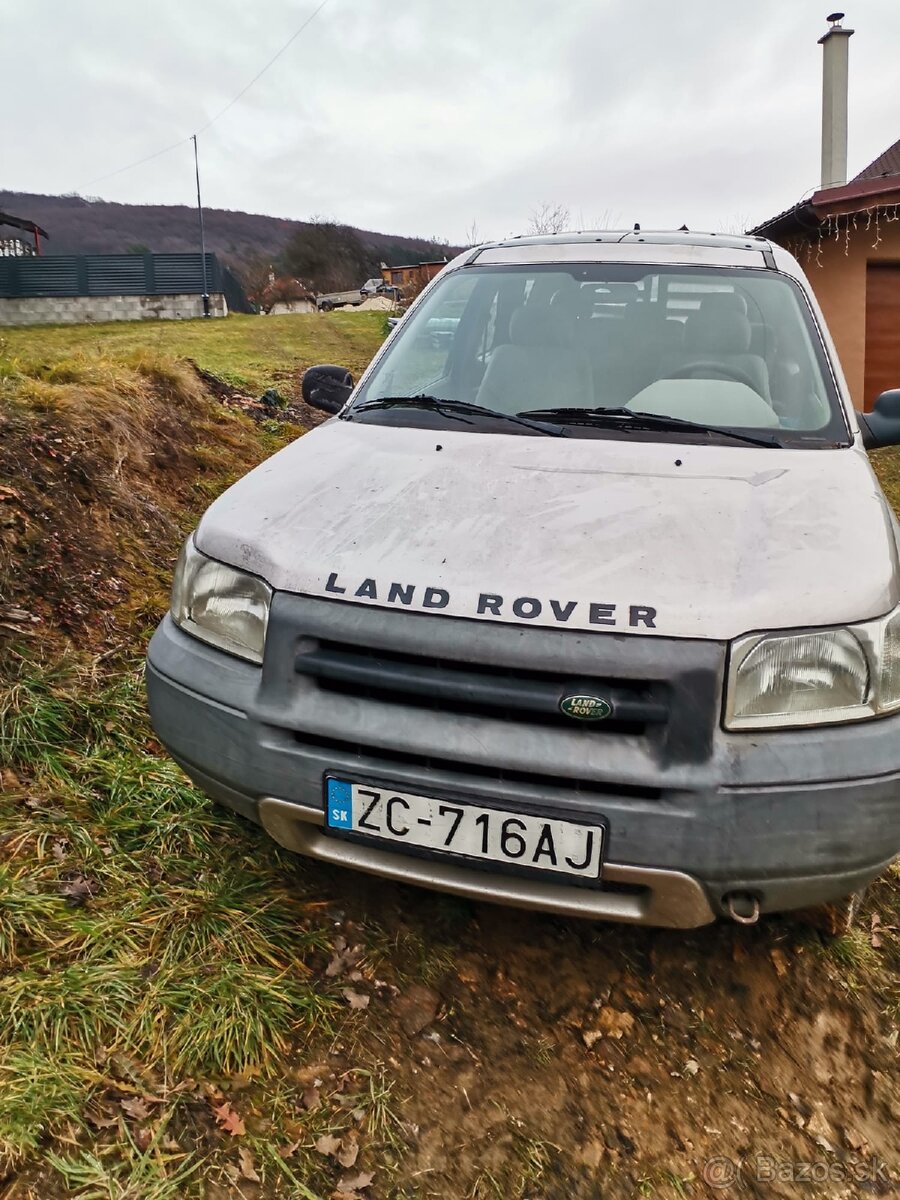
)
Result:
{"points": [[571, 1060]]}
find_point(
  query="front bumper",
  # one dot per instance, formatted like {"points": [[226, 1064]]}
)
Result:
{"points": [[793, 818]]}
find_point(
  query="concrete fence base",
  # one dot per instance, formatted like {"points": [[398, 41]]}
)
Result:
{"points": [[73, 310]]}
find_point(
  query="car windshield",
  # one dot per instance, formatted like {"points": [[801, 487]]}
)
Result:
{"points": [[612, 349]]}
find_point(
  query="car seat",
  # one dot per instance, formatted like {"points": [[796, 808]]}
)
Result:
{"points": [[720, 332], [540, 366]]}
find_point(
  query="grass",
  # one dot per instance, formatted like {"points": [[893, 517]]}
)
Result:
{"points": [[152, 946], [141, 1175], [887, 468], [521, 1175], [188, 959], [249, 352], [189, 952]]}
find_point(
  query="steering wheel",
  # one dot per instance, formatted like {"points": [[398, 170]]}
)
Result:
{"points": [[716, 370]]}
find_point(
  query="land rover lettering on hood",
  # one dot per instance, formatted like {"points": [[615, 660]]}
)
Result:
{"points": [[585, 599]]}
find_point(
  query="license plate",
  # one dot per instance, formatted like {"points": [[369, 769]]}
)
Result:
{"points": [[465, 830]]}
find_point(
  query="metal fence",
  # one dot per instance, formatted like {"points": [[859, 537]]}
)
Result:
{"points": [[118, 275]]}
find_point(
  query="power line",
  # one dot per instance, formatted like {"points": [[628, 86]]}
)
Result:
{"points": [[271, 62], [231, 103], [140, 162]]}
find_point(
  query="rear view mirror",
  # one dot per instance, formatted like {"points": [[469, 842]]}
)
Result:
{"points": [[327, 387]]}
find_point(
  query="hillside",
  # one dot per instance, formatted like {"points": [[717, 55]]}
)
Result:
{"points": [[91, 226]]}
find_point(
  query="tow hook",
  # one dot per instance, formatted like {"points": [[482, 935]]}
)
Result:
{"points": [[742, 907]]}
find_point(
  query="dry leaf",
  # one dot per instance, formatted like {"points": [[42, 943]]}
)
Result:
{"points": [[247, 1168], [356, 999], [590, 1036], [349, 1185], [349, 1151], [229, 1119], [691, 1067], [142, 1138], [311, 1098], [856, 1141], [137, 1109], [613, 1023], [779, 960], [77, 889], [738, 950], [99, 1121], [875, 936], [343, 958], [328, 1144], [818, 1128]]}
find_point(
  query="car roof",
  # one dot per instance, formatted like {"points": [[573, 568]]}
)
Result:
{"points": [[654, 237], [663, 246]]}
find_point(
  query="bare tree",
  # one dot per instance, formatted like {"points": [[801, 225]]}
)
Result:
{"points": [[472, 237], [549, 218], [737, 224], [606, 220]]}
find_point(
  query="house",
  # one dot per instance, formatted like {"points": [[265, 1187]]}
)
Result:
{"points": [[846, 236], [14, 246], [413, 276], [281, 296]]}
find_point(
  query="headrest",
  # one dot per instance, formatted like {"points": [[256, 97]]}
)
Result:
{"points": [[724, 301], [717, 331], [573, 300], [540, 325]]}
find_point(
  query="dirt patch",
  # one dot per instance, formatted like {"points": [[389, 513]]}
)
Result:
{"points": [[570, 1060], [103, 464], [274, 404]]}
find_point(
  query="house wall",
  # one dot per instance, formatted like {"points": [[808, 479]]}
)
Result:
{"points": [[837, 271], [68, 310], [415, 274], [283, 307]]}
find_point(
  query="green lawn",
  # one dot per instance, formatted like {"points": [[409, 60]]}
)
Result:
{"points": [[250, 352]]}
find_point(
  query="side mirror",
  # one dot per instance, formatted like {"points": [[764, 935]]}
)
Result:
{"points": [[327, 387], [881, 426]]}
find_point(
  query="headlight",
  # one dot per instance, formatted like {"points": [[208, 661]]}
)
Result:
{"points": [[220, 605], [822, 677], [889, 690]]}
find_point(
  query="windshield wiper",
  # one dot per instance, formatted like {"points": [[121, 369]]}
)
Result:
{"points": [[630, 418], [459, 410]]}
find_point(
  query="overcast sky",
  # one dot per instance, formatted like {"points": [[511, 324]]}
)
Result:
{"points": [[422, 117]]}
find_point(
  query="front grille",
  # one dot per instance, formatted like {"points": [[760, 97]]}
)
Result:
{"points": [[509, 693], [488, 695]]}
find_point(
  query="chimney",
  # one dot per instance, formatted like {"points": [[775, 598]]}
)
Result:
{"points": [[835, 56]]}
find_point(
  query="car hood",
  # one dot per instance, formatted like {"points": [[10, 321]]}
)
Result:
{"points": [[701, 541]]}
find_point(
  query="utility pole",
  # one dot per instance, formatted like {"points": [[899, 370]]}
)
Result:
{"points": [[202, 238]]}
